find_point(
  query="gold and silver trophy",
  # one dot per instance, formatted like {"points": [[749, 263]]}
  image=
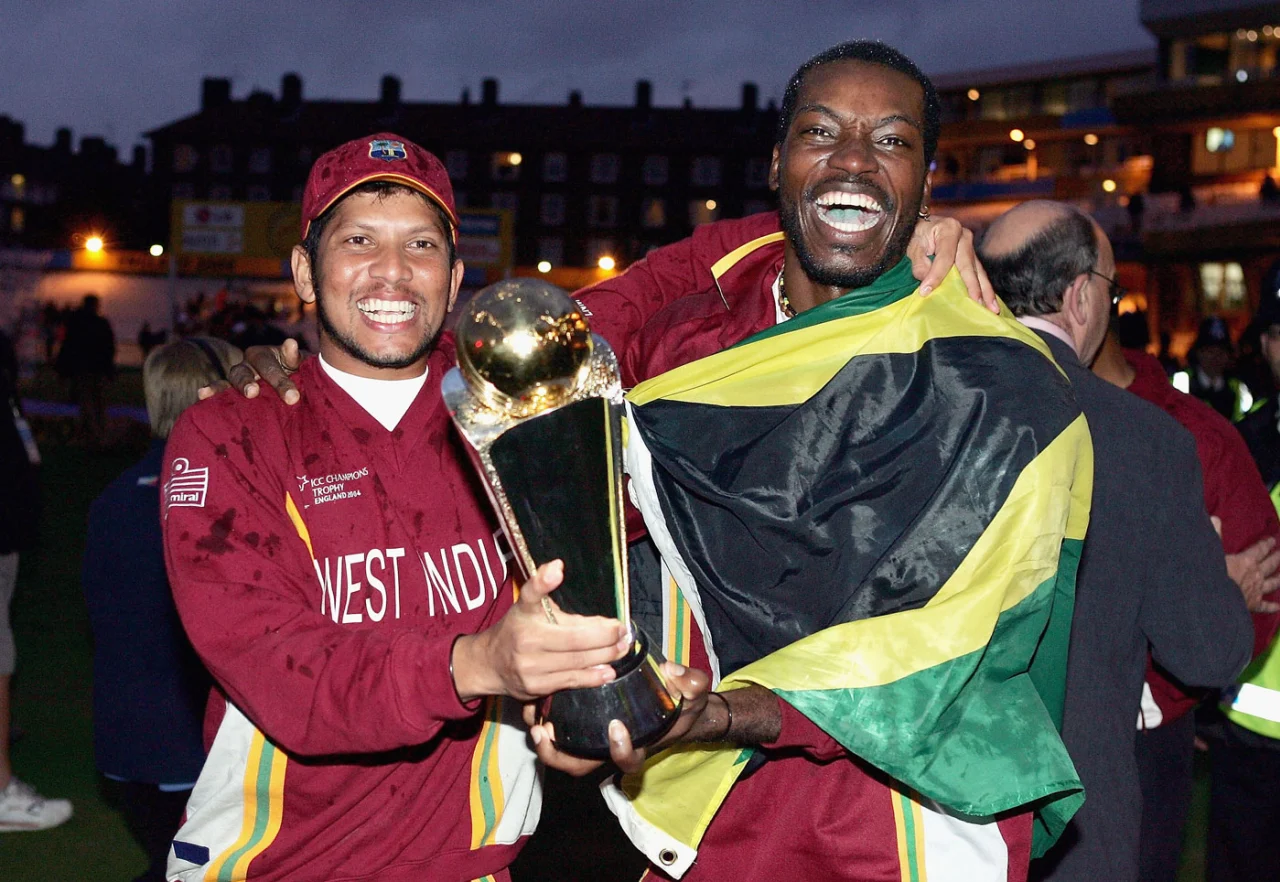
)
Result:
{"points": [[538, 400]]}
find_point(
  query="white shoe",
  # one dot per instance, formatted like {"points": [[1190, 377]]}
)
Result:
{"points": [[21, 808]]}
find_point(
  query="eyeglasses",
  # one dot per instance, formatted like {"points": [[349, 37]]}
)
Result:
{"points": [[1113, 288]]}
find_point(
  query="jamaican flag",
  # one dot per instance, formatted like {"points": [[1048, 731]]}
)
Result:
{"points": [[875, 510]]}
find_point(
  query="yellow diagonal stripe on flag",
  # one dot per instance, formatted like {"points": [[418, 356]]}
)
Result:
{"points": [[789, 368]]}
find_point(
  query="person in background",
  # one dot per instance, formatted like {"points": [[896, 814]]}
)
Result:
{"points": [[1244, 792], [1152, 575], [1237, 500], [21, 807], [1209, 376], [149, 689], [87, 359]]}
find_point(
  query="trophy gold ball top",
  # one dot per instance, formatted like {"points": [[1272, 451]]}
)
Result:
{"points": [[524, 346]]}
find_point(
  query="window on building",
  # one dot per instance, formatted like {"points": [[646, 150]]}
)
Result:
{"points": [[17, 219], [757, 173], [259, 193], [506, 202], [1222, 287], [599, 247], [703, 211], [185, 158], [505, 165], [551, 248], [220, 193], [555, 168], [1053, 99], [705, 171], [655, 171], [1219, 140], [221, 158], [551, 210], [602, 211], [455, 162], [604, 168], [260, 160], [1083, 94], [653, 214]]}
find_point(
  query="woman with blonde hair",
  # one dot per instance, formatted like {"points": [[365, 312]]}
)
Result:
{"points": [[149, 688]]}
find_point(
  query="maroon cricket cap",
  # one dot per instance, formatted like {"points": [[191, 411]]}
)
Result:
{"points": [[380, 157]]}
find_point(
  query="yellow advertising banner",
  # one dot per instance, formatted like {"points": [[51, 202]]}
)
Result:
{"points": [[256, 230]]}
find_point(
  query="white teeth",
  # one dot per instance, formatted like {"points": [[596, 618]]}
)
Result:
{"points": [[851, 200], [388, 312], [849, 212]]}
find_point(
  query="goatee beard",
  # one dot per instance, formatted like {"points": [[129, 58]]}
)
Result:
{"points": [[348, 344], [895, 249]]}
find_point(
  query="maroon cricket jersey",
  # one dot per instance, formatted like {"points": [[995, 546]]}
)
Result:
{"points": [[323, 567]]}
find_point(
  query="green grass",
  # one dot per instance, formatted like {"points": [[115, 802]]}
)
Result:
{"points": [[45, 384]]}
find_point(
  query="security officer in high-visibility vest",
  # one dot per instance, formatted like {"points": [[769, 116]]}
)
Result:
{"points": [[1208, 375], [1245, 788]]}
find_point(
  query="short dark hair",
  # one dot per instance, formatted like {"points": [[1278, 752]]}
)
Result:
{"points": [[872, 52], [1033, 277], [315, 232]]}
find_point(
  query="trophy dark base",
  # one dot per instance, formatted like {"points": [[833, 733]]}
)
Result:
{"points": [[638, 696]]}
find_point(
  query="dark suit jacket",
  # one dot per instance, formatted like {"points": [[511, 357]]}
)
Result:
{"points": [[1152, 573]]}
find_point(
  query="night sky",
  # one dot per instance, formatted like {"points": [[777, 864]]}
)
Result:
{"points": [[117, 68]]}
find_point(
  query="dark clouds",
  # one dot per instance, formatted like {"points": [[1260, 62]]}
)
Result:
{"points": [[116, 68]]}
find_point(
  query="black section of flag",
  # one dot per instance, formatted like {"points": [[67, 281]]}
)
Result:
{"points": [[861, 500]]}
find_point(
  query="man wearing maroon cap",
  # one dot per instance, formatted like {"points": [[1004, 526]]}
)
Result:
{"points": [[346, 587]]}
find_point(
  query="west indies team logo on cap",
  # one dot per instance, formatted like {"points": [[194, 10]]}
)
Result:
{"points": [[389, 151]]}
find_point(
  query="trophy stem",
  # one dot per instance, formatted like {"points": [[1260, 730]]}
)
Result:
{"points": [[638, 696]]}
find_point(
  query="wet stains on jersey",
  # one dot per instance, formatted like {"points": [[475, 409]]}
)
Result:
{"points": [[184, 536], [251, 539], [216, 540], [310, 459], [220, 450], [418, 517], [246, 444], [247, 484], [288, 662], [272, 545], [380, 491], [305, 671], [257, 575], [361, 436]]}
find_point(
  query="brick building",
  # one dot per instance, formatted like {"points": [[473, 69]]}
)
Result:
{"points": [[582, 182]]}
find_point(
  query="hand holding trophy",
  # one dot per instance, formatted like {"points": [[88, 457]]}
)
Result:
{"points": [[538, 400]]}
